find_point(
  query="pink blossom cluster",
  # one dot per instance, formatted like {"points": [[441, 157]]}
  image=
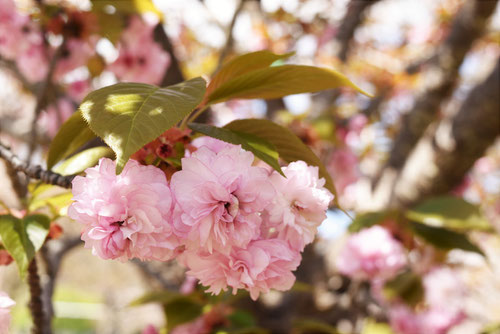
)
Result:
{"points": [[371, 253], [5, 304], [231, 223], [140, 58], [21, 41]]}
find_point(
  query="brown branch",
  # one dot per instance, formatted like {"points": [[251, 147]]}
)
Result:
{"points": [[442, 157], [226, 50], [35, 171], [353, 18], [173, 74], [467, 27], [149, 271], [12, 67], [52, 254], [36, 305]]}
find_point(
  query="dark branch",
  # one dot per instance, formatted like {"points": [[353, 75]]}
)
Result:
{"points": [[36, 171], [36, 305], [352, 20], [443, 157], [226, 50], [173, 74]]}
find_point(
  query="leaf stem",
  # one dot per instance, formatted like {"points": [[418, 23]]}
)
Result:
{"points": [[193, 116]]}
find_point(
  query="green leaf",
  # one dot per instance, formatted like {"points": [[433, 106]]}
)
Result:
{"points": [[127, 6], [450, 212], [23, 237], [407, 286], [129, 115], [443, 238], [162, 297], [370, 326], [243, 64], [262, 149], [278, 81], [313, 326], [368, 219], [290, 148], [37, 227], [57, 202], [241, 319], [71, 136], [181, 310], [83, 160]]}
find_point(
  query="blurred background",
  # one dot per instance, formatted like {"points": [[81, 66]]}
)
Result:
{"points": [[431, 129]]}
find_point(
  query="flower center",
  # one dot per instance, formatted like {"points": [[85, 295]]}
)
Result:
{"points": [[231, 208]]}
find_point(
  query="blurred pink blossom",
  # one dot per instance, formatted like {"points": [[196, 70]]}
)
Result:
{"points": [[343, 167], [299, 206], [140, 58], [33, 63], [149, 329], [371, 253], [262, 265], [219, 198], [55, 115], [75, 53], [5, 304], [79, 89], [126, 215]]}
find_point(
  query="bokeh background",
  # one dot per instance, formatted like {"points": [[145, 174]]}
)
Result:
{"points": [[421, 59]]}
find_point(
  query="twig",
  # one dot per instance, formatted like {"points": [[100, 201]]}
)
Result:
{"points": [[42, 97], [12, 67], [173, 74], [229, 39], [36, 305], [36, 171], [52, 254]]}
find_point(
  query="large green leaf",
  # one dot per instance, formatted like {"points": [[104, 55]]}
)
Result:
{"points": [[290, 148], [278, 81], [443, 238], [262, 149], [23, 237], [83, 160], [450, 212], [129, 115], [241, 65], [71, 136]]}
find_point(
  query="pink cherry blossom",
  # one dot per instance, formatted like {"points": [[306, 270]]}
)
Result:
{"points": [[53, 117], [213, 144], [126, 215], [219, 198], [262, 265], [150, 329], [299, 206], [33, 63], [140, 58], [75, 53], [343, 169], [403, 320], [79, 89], [5, 304], [371, 253]]}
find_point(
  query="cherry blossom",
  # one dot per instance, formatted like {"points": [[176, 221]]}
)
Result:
{"points": [[126, 215]]}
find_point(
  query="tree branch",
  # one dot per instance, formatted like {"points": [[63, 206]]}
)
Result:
{"points": [[36, 305], [226, 50], [352, 19], [173, 74], [36, 171], [442, 158]]}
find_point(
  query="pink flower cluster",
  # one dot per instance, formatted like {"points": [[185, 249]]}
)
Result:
{"points": [[371, 253], [5, 304], [140, 58], [21, 41], [231, 223]]}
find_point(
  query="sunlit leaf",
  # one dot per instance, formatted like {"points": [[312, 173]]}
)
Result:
{"points": [[71, 136], [368, 219], [262, 149], [83, 160], [129, 115], [450, 212], [241, 65], [290, 148], [278, 81], [23, 237]]}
